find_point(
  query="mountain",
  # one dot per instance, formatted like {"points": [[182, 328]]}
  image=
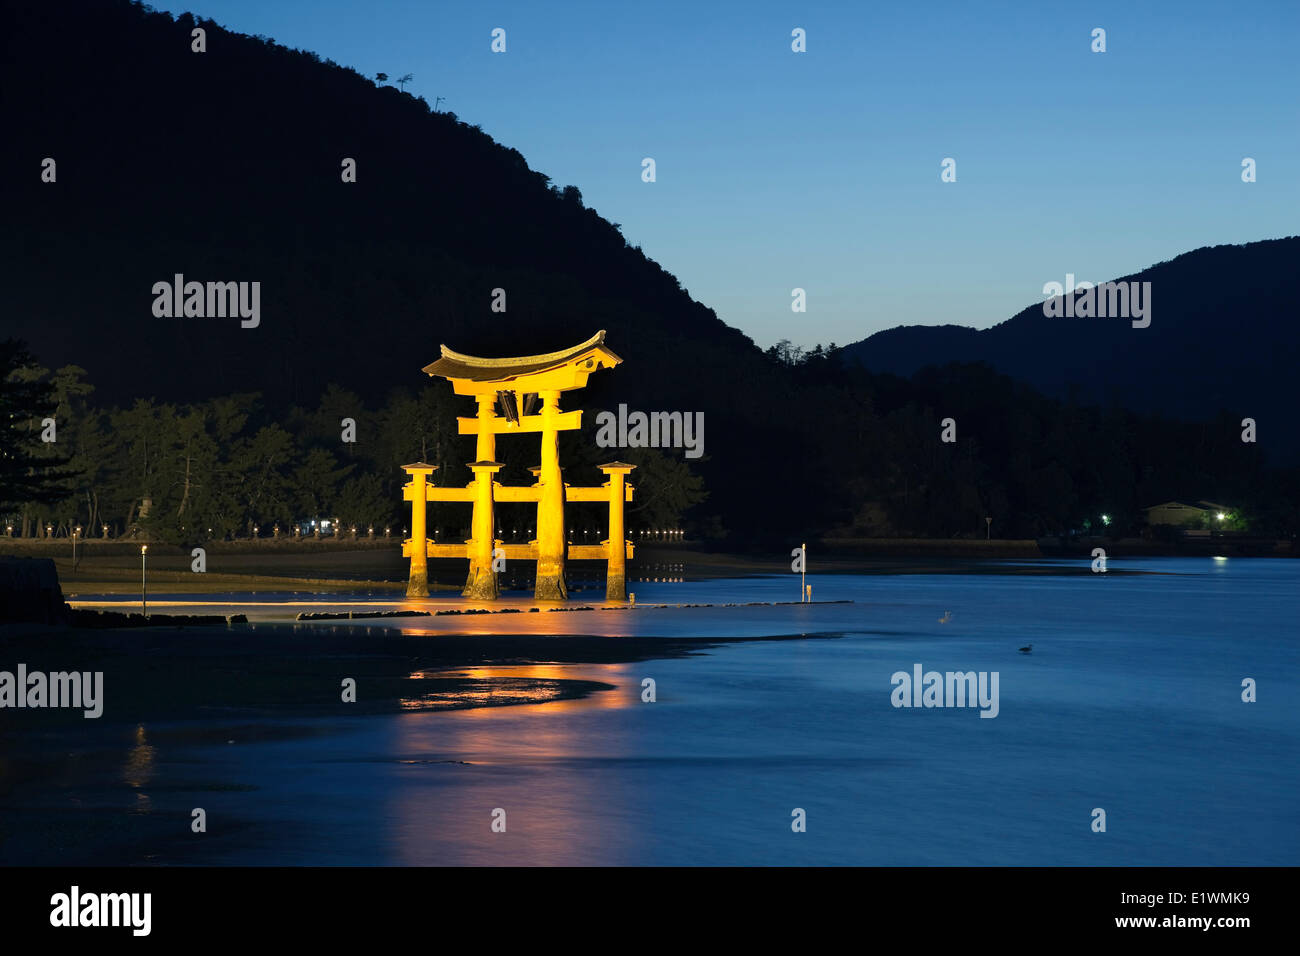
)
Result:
{"points": [[227, 166], [1223, 337]]}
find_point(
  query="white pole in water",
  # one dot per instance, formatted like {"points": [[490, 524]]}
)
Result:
{"points": [[144, 604], [803, 569]]}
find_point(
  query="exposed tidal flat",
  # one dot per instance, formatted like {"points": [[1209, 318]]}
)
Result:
{"points": [[1130, 701]]}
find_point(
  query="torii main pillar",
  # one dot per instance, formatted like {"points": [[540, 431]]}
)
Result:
{"points": [[550, 506], [483, 578], [485, 451]]}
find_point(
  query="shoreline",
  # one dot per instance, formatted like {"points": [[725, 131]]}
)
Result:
{"points": [[113, 568]]}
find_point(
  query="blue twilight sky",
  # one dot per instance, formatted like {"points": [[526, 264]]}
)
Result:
{"points": [[821, 169]]}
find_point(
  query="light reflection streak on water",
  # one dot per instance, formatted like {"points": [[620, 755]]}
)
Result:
{"points": [[139, 769], [455, 769], [515, 684]]}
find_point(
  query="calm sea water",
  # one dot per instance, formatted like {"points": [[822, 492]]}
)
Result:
{"points": [[1130, 702]]}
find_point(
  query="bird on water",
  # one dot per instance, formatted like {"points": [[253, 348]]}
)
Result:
{"points": [[1026, 649]]}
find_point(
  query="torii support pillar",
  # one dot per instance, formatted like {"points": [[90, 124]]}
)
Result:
{"points": [[616, 547], [483, 583], [416, 492]]}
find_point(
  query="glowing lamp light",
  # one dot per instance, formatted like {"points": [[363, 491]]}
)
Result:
{"points": [[1222, 516]]}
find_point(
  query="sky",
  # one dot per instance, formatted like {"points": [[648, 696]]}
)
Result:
{"points": [[820, 170]]}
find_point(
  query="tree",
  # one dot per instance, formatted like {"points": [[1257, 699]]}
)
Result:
{"points": [[665, 488], [362, 502], [258, 467], [403, 80], [786, 353], [139, 458], [381, 77], [317, 480], [30, 471]]}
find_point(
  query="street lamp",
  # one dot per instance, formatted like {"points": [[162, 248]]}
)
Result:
{"points": [[144, 603], [76, 533]]}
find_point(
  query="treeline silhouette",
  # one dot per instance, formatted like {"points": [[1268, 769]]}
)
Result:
{"points": [[870, 462], [227, 467], [1036, 465]]}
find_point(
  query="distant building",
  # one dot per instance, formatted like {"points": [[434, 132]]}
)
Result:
{"points": [[1175, 513], [1178, 514]]}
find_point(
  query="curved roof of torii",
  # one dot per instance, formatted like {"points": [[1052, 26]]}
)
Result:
{"points": [[454, 365]]}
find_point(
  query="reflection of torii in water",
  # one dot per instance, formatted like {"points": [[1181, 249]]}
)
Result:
{"points": [[516, 386]]}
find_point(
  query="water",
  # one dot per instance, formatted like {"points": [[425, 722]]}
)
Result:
{"points": [[1130, 702]]}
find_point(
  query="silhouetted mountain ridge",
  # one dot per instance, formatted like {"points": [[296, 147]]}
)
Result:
{"points": [[226, 165], [1223, 337]]}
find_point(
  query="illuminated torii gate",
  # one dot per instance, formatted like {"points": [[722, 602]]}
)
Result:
{"points": [[517, 385]]}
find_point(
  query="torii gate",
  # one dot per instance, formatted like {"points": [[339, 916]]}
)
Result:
{"points": [[516, 384]]}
